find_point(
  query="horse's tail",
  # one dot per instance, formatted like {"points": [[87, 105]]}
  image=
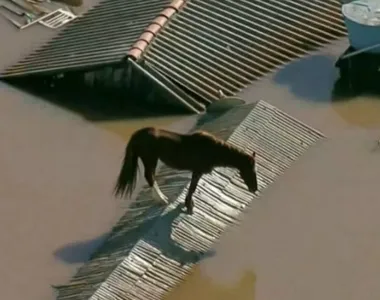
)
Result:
{"points": [[126, 181]]}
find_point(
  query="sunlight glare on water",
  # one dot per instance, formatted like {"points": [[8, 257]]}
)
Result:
{"points": [[199, 286], [363, 111]]}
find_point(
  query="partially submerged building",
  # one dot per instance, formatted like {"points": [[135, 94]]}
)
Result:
{"points": [[187, 51], [182, 52]]}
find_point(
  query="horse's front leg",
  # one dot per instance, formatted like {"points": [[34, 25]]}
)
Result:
{"points": [[149, 173], [189, 203]]}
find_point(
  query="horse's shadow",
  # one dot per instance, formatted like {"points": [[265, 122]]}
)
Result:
{"points": [[155, 231], [161, 237], [78, 252]]}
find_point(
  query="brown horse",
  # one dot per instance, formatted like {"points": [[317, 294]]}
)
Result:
{"points": [[199, 152]]}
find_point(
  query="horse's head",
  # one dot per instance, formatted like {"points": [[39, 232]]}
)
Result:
{"points": [[248, 173]]}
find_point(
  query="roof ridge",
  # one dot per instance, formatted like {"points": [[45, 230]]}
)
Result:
{"points": [[154, 28]]}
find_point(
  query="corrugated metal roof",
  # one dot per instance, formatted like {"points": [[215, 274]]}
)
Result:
{"points": [[226, 44], [101, 36], [152, 249]]}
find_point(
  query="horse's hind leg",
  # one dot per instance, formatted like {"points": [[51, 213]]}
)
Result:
{"points": [[150, 165], [189, 203]]}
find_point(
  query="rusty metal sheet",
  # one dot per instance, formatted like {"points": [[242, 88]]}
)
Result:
{"points": [[152, 248]]}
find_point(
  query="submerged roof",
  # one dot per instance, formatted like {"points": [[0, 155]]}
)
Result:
{"points": [[101, 36], [192, 49], [213, 45], [208, 45], [151, 248]]}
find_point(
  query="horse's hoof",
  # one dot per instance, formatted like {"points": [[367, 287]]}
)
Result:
{"points": [[182, 263]]}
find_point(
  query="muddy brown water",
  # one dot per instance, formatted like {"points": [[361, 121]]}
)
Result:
{"points": [[125, 128], [201, 286], [363, 111]]}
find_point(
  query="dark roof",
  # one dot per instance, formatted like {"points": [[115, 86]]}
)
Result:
{"points": [[226, 44], [192, 49], [101, 36], [141, 258]]}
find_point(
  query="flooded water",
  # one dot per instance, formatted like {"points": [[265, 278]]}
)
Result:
{"points": [[125, 128], [363, 111], [201, 286]]}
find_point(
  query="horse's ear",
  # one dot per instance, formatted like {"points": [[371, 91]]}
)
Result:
{"points": [[254, 154]]}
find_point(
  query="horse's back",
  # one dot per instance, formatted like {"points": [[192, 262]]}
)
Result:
{"points": [[195, 151], [156, 138], [144, 139], [178, 150], [150, 133], [167, 134], [145, 131], [204, 140]]}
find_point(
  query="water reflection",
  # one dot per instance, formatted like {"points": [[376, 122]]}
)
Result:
{"points": [[200, 286], [315, 78], [362, 110], [310, 77]]}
